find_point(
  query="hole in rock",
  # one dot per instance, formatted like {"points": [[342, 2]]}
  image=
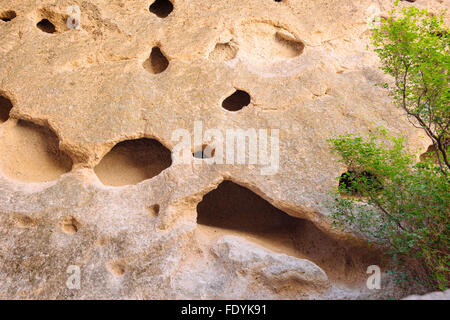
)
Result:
{"points": [[46, 26], [236, 101], [154, 210], [162, 8], [350, 182], [265, 41], [205, 152], [69, 225], [157, 62], [223, 52], [133, 161], [5, 108], [8, 15], [234, 209], [30, 153]]}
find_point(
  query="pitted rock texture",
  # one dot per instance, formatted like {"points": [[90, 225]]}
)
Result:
{"points": [[81, 185]]}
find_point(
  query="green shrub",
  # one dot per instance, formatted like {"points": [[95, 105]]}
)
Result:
{"points": [[394, 201], [405, 208], [413, 46]]}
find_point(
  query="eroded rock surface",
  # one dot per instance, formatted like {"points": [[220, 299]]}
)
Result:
{"points": [[274, 268], [82, 187]]}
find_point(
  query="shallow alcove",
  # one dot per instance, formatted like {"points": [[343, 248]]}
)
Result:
{"points": [[161, 8], [46, 26], [224, 52], [133, 161], [157, 62], [204, 152], [30, 153], [234, 209], [236, 101], [5, 108], [8, 15], [268, 42]]}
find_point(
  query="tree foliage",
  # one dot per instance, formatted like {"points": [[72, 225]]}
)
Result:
{"points": [[396, 202], [413, 46], [404, 209]]}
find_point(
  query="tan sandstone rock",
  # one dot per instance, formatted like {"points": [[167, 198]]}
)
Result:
{"points": [[89, 177]]}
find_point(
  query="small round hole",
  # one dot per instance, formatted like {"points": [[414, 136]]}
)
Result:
{"points": [[236, 101], [205, 152], [161, 8]]}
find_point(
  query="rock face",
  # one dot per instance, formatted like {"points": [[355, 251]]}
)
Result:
{"points": [[438, 295], [97, 200], [243, 257]]}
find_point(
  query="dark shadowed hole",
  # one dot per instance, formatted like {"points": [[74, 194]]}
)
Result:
{"points": [[162, 8], [5, 108], [46, 26], [154, 210], [232, 206], [133, 161], [236, 101], [234, 209], [8, 15], [205, 152], [354, 183], [157, 62]]}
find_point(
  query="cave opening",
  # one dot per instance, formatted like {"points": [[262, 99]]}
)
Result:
{"points": [[234, 209]]}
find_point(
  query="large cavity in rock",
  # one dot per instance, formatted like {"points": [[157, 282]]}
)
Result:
{"points": [[232, 209], [133, 161], [30, 153]]}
